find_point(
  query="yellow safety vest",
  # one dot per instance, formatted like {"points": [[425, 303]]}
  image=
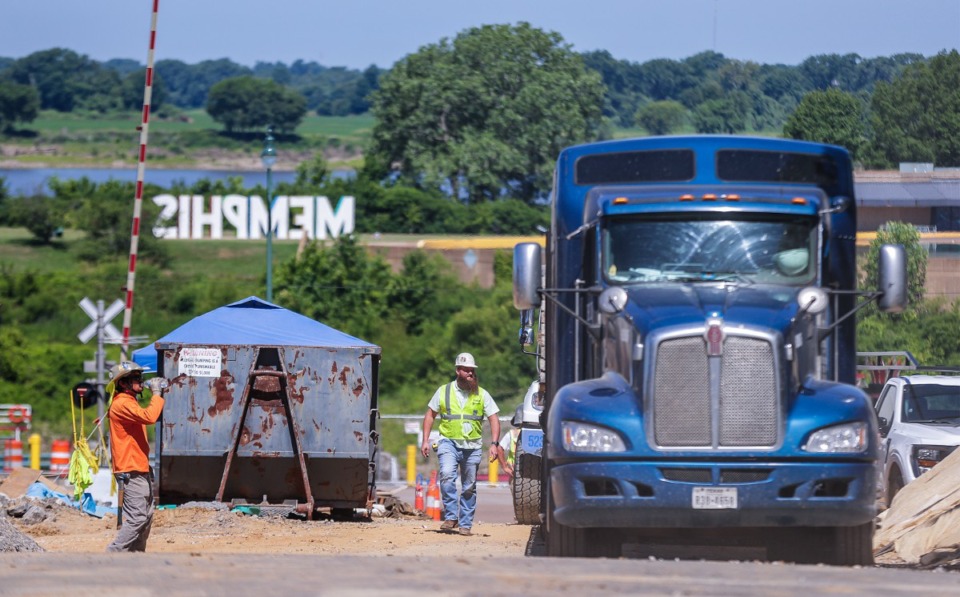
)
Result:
{"points": [[461, 422], [511, 455]]}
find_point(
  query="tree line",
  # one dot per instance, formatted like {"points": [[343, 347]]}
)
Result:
{"points": [[707, 85], [67, 81]]}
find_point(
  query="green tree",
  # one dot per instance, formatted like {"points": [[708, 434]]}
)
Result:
{"points": [[916, 118], [189, 84], [313, 174], [660, 118], [18, 103], [830, 116], [65, 80], [39, 214], [728, 115], [831, 70], [341, 286], [929, 333], [621, 81], [247, 104], [105, 212], [898, 233], [663, 79], [489, 110], [132, 91], [779, 81]]}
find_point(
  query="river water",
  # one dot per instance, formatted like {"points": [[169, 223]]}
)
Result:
{"points": [[30, 181]]}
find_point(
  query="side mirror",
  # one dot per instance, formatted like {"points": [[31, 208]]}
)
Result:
{"points": [[892, 276], [884, 426], [526, 276]]}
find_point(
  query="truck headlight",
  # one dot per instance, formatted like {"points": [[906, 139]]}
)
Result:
{"points": [[846, 438], [584, 437], [926, 457]]}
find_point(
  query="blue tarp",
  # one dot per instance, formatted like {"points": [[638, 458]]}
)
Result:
{"points": [[251, 321], [87, 505]]}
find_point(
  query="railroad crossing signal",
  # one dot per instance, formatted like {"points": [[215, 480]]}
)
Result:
{"points": [[101, 320], [105, 332]]}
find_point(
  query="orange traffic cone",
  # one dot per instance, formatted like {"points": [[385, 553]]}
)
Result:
{"points": [[418, 495], [434, 504]]}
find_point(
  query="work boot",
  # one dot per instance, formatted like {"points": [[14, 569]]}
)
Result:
{"points": [[448, 525], [465, 532]]}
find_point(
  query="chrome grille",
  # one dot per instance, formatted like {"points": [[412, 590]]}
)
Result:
{"points": [[748, 394], [742, 410], [682, 413]]}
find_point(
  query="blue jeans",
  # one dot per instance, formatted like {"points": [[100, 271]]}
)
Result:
{"points": [[451, 457]]}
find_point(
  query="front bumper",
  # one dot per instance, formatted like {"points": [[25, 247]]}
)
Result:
{"points": [[645, 494]]}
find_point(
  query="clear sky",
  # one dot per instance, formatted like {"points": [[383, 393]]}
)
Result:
{"points": [[357, 33]]}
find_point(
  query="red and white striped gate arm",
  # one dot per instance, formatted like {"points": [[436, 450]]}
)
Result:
{"points": [[138, 199]]}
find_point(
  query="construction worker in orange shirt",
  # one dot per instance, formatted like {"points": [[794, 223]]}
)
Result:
{"points": [[130, 454]]}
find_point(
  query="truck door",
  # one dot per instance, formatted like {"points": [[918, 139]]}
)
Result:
{"points": [[886, 408]]}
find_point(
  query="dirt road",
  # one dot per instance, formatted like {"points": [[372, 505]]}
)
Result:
{"points": [[205, 550], [213, 528]]}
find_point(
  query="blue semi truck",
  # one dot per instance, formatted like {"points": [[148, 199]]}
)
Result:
{"points": [[697, 350]]}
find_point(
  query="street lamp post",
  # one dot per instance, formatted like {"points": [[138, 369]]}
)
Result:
{"points": [[269, 157]]}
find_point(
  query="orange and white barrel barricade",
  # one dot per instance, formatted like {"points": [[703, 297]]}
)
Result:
{"points": [[12, 455], [60, 457]]}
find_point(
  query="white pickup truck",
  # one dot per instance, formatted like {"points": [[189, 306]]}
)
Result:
{"points": [[919, 420]]}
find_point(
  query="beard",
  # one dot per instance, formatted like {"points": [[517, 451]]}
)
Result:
{"points": [[470, 386]]}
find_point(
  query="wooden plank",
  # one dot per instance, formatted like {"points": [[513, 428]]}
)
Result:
{"points": [[925, 515], [18, 481]]}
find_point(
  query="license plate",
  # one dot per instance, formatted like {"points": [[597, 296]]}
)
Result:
{"points": [[531, 441], [714, 498]]}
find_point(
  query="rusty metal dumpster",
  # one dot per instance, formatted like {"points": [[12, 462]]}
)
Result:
{"points": [[267, 407]]}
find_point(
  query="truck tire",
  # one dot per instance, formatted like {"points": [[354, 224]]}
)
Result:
{"points": [[526, 489], [838, 546], [571, 542], [853, 546]]}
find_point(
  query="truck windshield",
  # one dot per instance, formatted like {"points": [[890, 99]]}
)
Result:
{"points": [[710, 248]]}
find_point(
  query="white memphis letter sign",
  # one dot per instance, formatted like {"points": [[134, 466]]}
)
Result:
{"points": [[243, 217]]}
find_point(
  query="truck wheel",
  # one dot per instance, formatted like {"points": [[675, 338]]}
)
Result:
{"points": [[526, 489], [800, 545], [894, 485], [838, 546], [853, 546], [570, 542]]}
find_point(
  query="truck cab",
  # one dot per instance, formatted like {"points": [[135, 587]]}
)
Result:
{"points": [[698, 349]]}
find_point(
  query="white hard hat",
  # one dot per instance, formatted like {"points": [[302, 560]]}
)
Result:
{"points": [[123, 369], [465, 359]]}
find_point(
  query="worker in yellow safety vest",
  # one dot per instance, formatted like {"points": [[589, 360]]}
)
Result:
{"points": [[462, 406], [508, 443]]}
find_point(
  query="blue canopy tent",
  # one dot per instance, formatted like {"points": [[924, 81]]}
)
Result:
{"points": [[266, 404], [249, 321], [146, 357]]}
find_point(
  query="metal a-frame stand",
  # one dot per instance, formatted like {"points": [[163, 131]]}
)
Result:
{"points": [[294, 425]]}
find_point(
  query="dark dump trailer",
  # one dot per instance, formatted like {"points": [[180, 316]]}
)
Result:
{"points": [[267, 407]]}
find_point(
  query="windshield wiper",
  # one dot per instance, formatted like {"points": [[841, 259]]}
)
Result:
{"points": [[949, 421], [706, 276]]}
